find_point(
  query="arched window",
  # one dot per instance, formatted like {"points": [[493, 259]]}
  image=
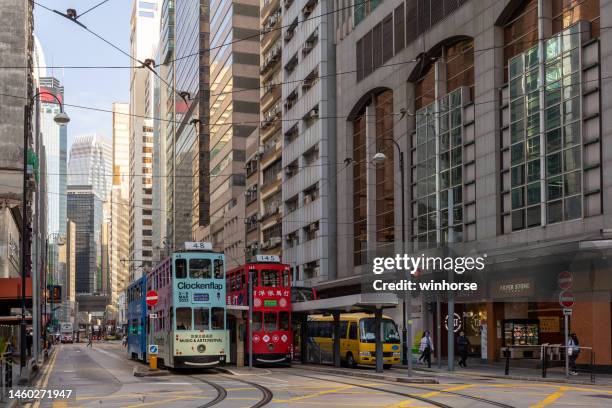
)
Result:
{"points": [[383, 123]]}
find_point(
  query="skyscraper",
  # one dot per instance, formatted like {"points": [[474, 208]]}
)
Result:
{"points": [[145, 35], [55, 141], [120, 212], [90, 164], [234, 64]]}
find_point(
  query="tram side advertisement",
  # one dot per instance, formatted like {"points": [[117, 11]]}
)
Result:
{"points": [[207, 300]]}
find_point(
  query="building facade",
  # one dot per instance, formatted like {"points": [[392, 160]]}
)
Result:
{"points": [[90, 163], [144, 36], [234, 65], [308, 140], [499, 110], [120, 211]]}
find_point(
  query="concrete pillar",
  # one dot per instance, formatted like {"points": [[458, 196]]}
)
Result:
{"points": [[336, 339], [378, 336]]}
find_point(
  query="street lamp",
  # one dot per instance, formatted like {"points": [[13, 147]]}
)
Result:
{"points": [[61, 119], [379, 158]]}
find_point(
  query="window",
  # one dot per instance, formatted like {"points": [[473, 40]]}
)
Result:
{"points": [[270, 321], [201, 316], [269, 278], [218, 265], [352, 335], [183, 318], [180, 267], [343, 327], [218, 318], [257, 321], [283, 321], [200, 269]]}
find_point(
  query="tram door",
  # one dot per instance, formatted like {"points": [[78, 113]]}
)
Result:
{"points": [[233, 335]]}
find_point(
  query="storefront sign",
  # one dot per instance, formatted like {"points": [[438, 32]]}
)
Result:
{"points": [[518, 287], [549, 324], [456, 322]]}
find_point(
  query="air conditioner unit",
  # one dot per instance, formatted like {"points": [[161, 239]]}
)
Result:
{"points": [[289, 35], [307, 199], [313, 113], [272, 20], [307, 83], [288, 171], [275, 241], [308, 9], [307, 48]]}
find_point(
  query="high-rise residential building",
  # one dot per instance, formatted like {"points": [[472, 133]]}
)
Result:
{"points": [[264, 204], [90, 164], [144, 37], [190, 195], [234, 65], [120, 195], [67, 256], [85, 209], [308, 139]]}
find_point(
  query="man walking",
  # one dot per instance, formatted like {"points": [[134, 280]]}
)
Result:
{"points": [[426, 348], [463, 347], [573, 350], [89, 341]]}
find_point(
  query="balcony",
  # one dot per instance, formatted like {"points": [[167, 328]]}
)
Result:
{"points": [[272, 57]]}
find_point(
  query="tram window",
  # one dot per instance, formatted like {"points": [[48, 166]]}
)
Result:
{"points": [[181, 268], [183, 318], [353, 331], [218, 264], [218, 318], [269, 278], [201, 317], [269, 321], [256, 321], [283, 321], [254, 278], [286, 278], [199, 269]]}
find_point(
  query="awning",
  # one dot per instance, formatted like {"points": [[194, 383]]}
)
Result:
{"points": [[350, 303]]}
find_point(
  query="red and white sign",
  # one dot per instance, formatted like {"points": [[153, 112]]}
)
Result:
{"points": [[152, 298], [565, 280], [566, 299]]}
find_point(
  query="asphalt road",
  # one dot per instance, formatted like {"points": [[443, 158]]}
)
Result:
{"points": [[102, 376]]}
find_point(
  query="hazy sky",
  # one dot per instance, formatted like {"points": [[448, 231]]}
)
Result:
{"points": [[65, 43]]}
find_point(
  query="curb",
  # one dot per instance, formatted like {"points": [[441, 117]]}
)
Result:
{"points": [[513, 377], [385, 377], [149, 373]]}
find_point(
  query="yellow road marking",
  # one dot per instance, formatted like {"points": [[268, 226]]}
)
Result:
{"points": [[451, 389], [45, 377], [145, 404], [59, 404], [134, 395], [316, 394], [551, 398]]}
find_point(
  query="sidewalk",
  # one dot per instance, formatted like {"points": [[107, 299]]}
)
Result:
{"points": [[516, 372], [29, 376]]}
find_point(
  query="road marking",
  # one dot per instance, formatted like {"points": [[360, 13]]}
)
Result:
{"points": [[551, 398], [45, 377], [316, 394], [143, 404]]}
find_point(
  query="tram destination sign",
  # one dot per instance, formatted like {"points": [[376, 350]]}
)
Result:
{"points": [[198, 246]]}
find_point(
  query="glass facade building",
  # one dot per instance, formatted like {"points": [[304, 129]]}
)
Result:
{"points": [[91, 164]]}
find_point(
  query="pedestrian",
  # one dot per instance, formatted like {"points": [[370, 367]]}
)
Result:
{"points": [[573, 351], [463, 347], [124, 341], [29, 341], [89, 341], [426, 348]]}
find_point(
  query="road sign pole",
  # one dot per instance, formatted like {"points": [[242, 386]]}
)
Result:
{"points": [[250, 319], [566, 318]]}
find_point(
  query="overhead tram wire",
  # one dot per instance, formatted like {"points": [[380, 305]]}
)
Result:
{"points": [[494, 47], [147, 63], [92, 8]]}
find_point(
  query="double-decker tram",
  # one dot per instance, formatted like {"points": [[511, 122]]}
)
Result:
{"points": [[188, 322], [272, 338], [137, 319]]}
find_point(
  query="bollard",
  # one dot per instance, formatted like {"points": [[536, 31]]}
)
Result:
{"points": [[153, 362], [544, 361], [507, 355]]}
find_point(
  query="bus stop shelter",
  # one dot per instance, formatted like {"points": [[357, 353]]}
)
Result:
{"points": [[363, 302]]}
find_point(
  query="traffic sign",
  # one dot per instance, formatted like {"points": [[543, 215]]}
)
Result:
{"points": [[567, 312], [565, 280], [566, 299], [153, 349], [152, 298]]}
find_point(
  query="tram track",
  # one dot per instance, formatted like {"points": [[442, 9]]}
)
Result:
{"points": [[266, 393], [410, 395]]}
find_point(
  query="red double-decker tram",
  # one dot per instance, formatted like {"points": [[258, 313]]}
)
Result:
{"points": [[272, 338]]}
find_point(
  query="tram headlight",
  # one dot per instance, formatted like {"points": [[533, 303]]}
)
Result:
{"points": [[201, 348]]}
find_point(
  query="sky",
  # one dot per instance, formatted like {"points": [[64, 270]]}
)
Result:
{"points": [[65, 43]]}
